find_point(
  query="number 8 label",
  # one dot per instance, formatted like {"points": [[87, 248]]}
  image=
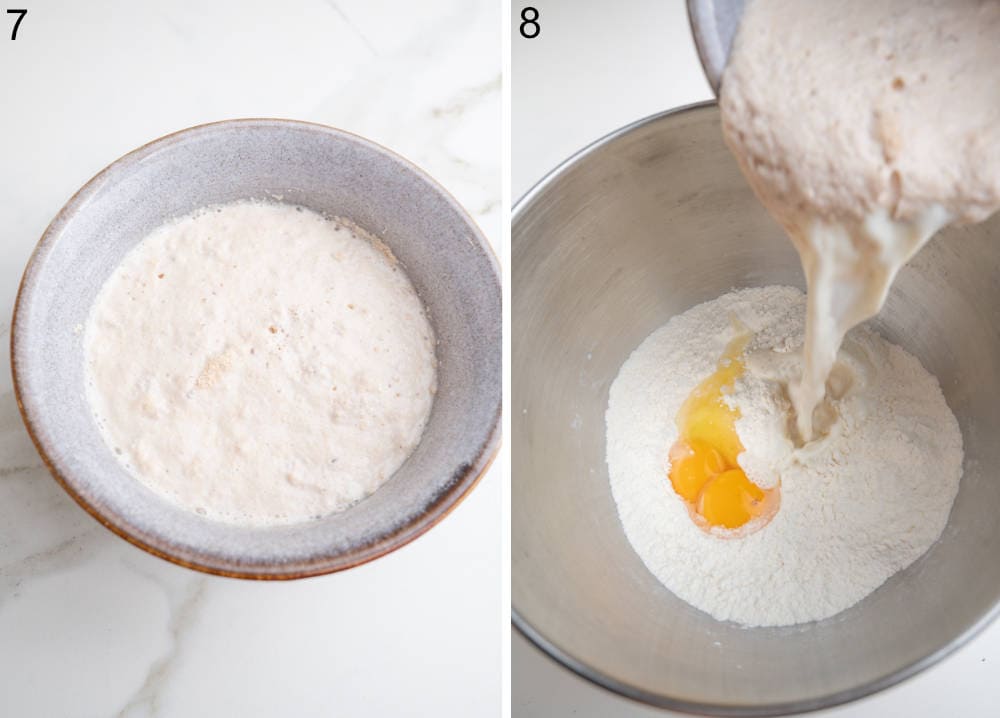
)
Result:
{"points": [[530, 27]]}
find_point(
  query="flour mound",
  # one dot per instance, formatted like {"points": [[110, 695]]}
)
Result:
{"points": [[858, 504]]}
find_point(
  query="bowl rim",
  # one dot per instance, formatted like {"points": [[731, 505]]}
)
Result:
{"points": [[318, 564], [658, 700]]}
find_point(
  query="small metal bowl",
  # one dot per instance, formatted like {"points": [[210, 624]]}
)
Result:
{"points": [[334, 173], [636, 228], [713, 25]]}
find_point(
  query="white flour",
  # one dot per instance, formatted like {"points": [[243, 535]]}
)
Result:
{"points": [[857, 505], [259, 364]]}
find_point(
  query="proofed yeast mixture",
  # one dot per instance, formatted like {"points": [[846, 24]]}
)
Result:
{"points": [[259, 364], [766, 470], [864, 126]]}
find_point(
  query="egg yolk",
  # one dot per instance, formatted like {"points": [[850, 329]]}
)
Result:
{"points": [[703, 467]]}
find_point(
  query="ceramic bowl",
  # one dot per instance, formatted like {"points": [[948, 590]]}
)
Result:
{"points": [[639, 227], [334, 173]]}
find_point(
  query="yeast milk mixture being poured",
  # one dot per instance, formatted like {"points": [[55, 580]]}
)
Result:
{"points": [[805, 473], [864, 126]]}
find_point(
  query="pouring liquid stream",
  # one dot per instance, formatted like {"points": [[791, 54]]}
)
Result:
{"points": [[849, 269], [863, 128]]}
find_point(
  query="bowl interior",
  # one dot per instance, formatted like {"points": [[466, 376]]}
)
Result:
{"points": [[639, 227], [333, 173]]}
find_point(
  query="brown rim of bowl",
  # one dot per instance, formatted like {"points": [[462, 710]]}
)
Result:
{"points": [[432, 514]]}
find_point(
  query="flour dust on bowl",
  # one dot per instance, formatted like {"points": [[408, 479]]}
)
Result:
{"points": [[628, 234], [262, 348]]}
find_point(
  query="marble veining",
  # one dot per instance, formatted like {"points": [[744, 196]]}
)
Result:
{"points": [[184, 601]]}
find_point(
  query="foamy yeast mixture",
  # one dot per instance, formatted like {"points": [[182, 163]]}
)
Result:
{"points": [[864, 126], [259, 364]]}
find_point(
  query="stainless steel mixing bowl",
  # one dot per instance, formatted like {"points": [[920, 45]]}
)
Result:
{"points": [[632, 230]]}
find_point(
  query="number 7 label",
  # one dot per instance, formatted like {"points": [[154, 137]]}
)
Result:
{"points": [[17, 23]]}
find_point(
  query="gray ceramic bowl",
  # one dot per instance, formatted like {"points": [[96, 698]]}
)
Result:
{"points": [[636, 228], [331, 172]]}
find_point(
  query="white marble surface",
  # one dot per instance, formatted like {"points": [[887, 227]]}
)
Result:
{"points": [[595, 67], [89, 625]]}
